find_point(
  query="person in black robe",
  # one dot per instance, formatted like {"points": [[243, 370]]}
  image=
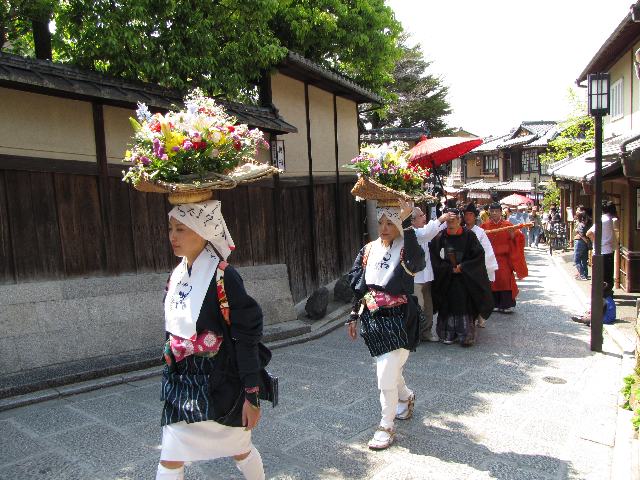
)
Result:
{"points": [[461, 287]]}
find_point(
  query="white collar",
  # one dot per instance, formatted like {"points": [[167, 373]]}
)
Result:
{"points": [[186, 292], [382, 262]]}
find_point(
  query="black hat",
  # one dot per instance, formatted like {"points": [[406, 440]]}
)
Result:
{"points": [[451, 207], [472, 208], [495, 206]]}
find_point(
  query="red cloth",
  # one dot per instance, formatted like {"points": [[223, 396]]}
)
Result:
{"points": [[510, 256]]}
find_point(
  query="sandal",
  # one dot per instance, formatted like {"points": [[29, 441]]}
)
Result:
{"points": [[408, 413], [382, 439]]}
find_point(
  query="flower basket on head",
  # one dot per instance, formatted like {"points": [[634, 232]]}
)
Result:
{"points": [[385, 175], [189, 153]]}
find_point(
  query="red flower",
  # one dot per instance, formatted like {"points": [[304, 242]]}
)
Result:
{"points": [[155, 127], [407, 177], [199, 145], [231, 129], [237, 145]]}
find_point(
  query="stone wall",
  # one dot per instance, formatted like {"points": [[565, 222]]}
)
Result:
{"points": [[45, 324]]}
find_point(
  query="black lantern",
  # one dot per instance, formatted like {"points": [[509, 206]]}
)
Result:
{"points": [[635, 12], [598, 94]]}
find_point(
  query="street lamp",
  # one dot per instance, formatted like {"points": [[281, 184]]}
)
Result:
{"points": [[598, 104]]}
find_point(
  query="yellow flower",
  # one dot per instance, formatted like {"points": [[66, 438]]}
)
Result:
{"points": [[173, 139]]}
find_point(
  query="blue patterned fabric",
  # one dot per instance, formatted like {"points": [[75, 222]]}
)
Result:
{"points": [[185, 391], [384, 330]]}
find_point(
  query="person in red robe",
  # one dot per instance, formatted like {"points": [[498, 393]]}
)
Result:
{"points": [[508, 246]]}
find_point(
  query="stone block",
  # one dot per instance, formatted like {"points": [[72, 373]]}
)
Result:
{"points": [[342, 290], [30, 292], [49, 466], [316, 306], [70, 316], [15, 445], [18, 319], [51, 417]]}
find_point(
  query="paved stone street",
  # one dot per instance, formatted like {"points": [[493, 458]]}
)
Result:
{"points": [[529, 401]]}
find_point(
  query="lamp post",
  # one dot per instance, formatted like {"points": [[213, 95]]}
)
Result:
{"points": [[598, 104]]}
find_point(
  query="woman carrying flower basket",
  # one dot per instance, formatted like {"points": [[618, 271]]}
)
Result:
{"points": [[211, 382], [382, 279], [214, 375]]}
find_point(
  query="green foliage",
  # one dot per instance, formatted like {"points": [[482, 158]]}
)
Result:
{"points": [[420, 97], [631, 393], [15, 23], [551, 195], [576, 136], [358, 38], [222, 46]]}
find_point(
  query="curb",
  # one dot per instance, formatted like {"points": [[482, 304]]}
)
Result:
{"points": [[621, 341], [331, 322]]}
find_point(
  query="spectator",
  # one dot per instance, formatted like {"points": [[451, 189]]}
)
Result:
{"points": [[581, 246], [608, 243]]}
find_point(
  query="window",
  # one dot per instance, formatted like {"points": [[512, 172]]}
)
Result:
{"points": [[490, 164], [529, 161], [617, 100]]}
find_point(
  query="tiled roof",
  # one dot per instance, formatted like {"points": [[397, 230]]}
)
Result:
{"points": [[513, 186], [47, 76], [544, 140], [490, 144], [344, 84], [378, 135], [582, 168], [538, 126], [480, 185], [513, 142]]}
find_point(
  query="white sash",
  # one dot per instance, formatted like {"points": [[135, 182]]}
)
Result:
{"points": [[186, 293]]}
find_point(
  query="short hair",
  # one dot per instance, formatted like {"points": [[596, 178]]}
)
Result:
{"points": [[414, 212], [610, 208], [580, 216]]}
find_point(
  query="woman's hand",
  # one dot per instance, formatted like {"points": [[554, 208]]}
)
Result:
{"points": [[405, 208], [457, 269], [250, 415], [352, 330]]}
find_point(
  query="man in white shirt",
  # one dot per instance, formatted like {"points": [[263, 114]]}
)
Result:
{"points": [[470, 216], [422, 282], [608, 244]]}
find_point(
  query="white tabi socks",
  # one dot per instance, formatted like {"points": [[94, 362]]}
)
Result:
{"points": [[165, 473], [251, 467]]}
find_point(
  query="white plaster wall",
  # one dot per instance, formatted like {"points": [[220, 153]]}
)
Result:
{"points": [[322, 131], [35, 125], [348, 145]]}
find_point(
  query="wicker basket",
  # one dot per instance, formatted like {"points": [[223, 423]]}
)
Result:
{"points": [[369, 189], [194, 188]]}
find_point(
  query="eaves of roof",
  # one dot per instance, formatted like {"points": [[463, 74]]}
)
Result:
{"points": [[582, 168], [43, 76], [303, 69], [490, 144], [626, 34], [514, 142], [409, 134]]}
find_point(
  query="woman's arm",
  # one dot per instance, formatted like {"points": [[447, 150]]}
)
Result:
{"points": [[246, 328], [356, 276], [414, 257]]}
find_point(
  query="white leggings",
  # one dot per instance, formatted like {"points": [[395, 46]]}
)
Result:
{"points": [[251, 467], [391, 383]]}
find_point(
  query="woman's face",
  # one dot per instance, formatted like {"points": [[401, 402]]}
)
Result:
{"points": [[184, 241], [387, 231]]}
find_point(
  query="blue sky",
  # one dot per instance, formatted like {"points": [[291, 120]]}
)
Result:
{"points": [[508, 60]]}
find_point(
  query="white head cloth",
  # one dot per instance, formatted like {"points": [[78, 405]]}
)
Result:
{"points": [[393, 214], [205, 218], [383, 260]]}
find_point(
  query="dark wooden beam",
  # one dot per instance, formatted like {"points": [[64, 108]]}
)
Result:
{"points": [[338, 212], [47, 165], [312, 210], [109, 250]]}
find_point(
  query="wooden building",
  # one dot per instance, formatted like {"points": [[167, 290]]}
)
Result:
{"points": [[68, 222], [621, 150]]}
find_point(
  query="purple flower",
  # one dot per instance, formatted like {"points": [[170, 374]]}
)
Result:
{"points": [[176, 149], [164, 157], [156, 147], [145, 160], [187, 145]]}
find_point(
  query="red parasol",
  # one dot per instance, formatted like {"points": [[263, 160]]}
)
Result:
{"points": [[515, 199], [433, 152]]}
